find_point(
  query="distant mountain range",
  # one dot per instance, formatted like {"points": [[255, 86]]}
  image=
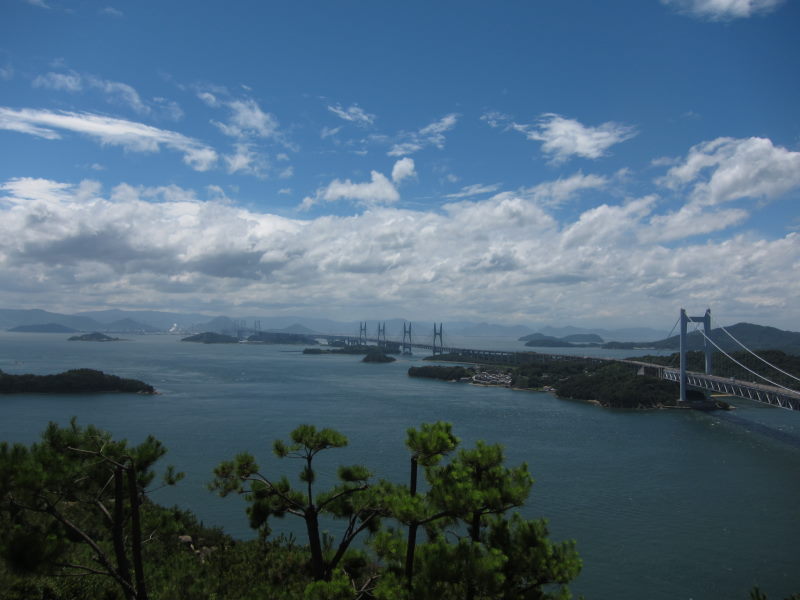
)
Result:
{"points": [[755, 337], [120, 321]]}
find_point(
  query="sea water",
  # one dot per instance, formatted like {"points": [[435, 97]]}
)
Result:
{"points": [[663, 504]]}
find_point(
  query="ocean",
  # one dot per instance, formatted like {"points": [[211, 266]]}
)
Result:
{"points": [[663, 505]]}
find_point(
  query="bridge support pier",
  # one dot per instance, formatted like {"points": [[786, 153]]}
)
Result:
{"points": [[685, 320], [438, 333], [407, 339]]}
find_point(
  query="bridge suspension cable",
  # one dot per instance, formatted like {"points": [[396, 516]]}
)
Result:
{"points": [[748, 369], [761, 358]]}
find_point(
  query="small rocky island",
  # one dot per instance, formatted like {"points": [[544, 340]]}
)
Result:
{"points": [[93, 337], [75, 381], [209, 337]]}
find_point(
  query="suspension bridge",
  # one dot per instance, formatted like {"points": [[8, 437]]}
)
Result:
{"points": [[733, 376]]}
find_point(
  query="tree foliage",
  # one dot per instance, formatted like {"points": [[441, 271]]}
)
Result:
{"points": [[75, 503], [78, 486]]}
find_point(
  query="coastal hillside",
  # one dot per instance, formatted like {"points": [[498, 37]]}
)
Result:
{"points": [[755, 337]]}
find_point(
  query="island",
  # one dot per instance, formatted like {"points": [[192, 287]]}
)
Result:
{"points": [[93, 337], [376, 355], [75, 381], [209, 337], [605, 383]]}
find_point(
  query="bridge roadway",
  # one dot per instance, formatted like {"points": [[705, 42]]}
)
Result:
{"points": [[766, 394]]}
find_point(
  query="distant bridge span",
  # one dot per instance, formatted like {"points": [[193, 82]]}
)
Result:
{"points": [[774, 395]]}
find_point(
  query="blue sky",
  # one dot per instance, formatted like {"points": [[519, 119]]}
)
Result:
{"points": [[595, 163]]}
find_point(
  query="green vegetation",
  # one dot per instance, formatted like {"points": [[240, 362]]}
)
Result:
{"points": [[722, 366], [209, 337], [617, 385], [441, 372], [376, 355], [76, 381], [502, 556], [755, 337], [76, 523], [93, 337], [610, 384]]}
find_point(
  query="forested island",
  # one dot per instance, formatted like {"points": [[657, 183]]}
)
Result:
{"points": [[93, 337], [209, 337], [609, 384], [376, 355], [75, 381]]}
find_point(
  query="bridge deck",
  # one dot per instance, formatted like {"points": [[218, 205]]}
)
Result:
{"points": [[766, 394]]}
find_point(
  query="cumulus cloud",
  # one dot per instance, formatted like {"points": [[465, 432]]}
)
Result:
{"points": [[163, 246], [378, 190], [728, 169], [563, 138], [403, 169], [430, 135], [720, 172], [723, 10], [354, 114], [130, 135]]}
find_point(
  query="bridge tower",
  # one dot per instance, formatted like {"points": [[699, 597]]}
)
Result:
{"points": [[381, 334], [438, 334], [407, 339], [685, 320], [362, 333]]}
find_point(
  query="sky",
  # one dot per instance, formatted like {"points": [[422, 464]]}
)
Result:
{"points": [[558, 162]]}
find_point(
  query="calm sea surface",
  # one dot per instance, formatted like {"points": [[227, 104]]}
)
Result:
{"points": [[663, 505]]}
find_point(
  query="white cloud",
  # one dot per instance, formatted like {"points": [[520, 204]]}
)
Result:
{"points": [[403, 169], [379, 190], [287, 173], [329, 131], [474, 190], [729, 169], [248, 120], [67, 82], [430, 135], [39, 3], [120, 93], [163, 246], [133, 136], [354, 114], [209, 98], [6, 72], [246, 160], [111, 12], [719, 172], [690, 220], [564, 138], [115, 92], [557, 192], [723, 10], [169, 108]]}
